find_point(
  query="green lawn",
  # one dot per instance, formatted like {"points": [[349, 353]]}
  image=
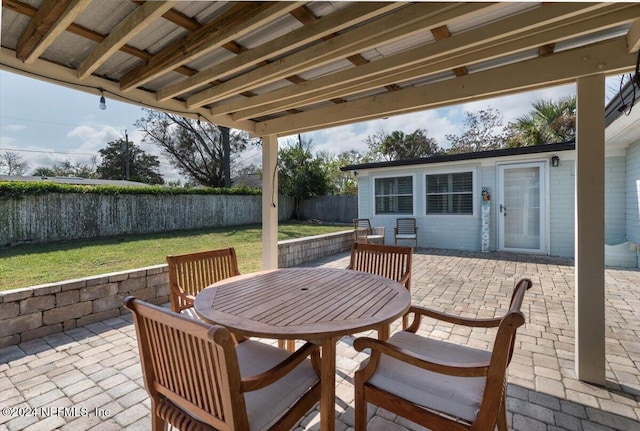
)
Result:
{"points": [[30, 265]]}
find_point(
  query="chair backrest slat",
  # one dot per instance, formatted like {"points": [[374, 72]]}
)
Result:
{"points": [[362, 223], [385, 260], [184, 361], [406, 226], [192, 272]]}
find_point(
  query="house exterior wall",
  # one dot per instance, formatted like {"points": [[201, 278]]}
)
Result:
{"points": [[562, 184], [462, 232], [615, 226], [633, 193]]}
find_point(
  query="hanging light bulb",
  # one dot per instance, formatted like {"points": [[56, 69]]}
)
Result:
{"points": [[103, 102]]}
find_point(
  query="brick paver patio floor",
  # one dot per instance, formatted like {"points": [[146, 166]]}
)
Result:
{"points": [[90, 377]]}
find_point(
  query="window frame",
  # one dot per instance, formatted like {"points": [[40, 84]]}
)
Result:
{"points": [[450, 171], [413, 194]]}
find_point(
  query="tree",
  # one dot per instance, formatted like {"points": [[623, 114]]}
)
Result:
{"points": [[482, 131], [195, 148], [549, 122], [13, 164], [143, 167], [340, 182], [67, 169], [398, 146], [301, 174]]}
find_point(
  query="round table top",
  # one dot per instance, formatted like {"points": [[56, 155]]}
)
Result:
{"points": [[303, 303]]}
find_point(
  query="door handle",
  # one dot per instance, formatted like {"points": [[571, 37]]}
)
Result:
{"points": [[503, 210]]}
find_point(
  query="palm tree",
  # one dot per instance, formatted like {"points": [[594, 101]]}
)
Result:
{"points": [[549, 122]]}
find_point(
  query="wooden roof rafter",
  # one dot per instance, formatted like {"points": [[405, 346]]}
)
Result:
{"points": [[252, 66], [491, 41]]}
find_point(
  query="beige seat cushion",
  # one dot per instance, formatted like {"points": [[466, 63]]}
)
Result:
{"points": [[457, 396], [266, 405]]}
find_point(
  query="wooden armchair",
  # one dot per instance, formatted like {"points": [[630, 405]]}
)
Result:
{"points": [[405, 229], [192, 272], [384, 260], [364, 232], [440, 385], [199, 379]]}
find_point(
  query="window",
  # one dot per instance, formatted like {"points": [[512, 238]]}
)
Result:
{"points": [[450, 193], [394, 195]]}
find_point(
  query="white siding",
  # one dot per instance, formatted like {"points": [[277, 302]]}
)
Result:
{"points": [[562, 209], [463, 232], [364, 197], [633, 192], [614, 203]]}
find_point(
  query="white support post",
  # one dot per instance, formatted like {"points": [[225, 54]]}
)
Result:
{"points": [[589, 222], [269, 202]]}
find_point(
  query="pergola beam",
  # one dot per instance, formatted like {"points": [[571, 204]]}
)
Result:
{"points": [[131, 26], [460, 45], [241, 19], [605, 57], [408, 20], [51, 20], [339, 20]]}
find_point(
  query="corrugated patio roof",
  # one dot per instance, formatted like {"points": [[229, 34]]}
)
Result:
{"points": [[287, 67]]}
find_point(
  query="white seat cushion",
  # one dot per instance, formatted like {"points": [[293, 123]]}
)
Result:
{"points": [[266, 405], [190, 312], [406, 236], [457, 396]]}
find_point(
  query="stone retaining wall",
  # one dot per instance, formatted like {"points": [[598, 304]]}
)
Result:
{"points": [[37, 311], [34, 312], [299, 251]]}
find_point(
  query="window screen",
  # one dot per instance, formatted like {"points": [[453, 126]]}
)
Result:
{"points": [[394, 195], [450, 193]]}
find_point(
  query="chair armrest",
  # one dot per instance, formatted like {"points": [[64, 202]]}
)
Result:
{"points": [[405, 278], [395, 231], [456, 320], [463, 369], [268, 377]]}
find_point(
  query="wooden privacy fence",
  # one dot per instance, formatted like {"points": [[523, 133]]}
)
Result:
{"points": [[67, 216], [338, 209]]}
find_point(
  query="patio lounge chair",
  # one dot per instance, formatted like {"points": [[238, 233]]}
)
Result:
{"points": [[405, 229], [192, 272], [440, 385], [384, 260], [199, 379], [364, 232]]}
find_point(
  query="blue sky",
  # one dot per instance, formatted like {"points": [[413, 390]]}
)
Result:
{"points": [[47, 123]]}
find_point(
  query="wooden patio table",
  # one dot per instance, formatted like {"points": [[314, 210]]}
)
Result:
{"points": [[314, 304]]}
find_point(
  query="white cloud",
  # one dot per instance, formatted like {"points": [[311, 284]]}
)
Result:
{"points": [[95, 138], [15, 127]]}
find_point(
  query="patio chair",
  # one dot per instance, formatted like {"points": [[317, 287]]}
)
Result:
{"points": [[440, 385], [192, 272], [405, 229], [384, 260], [364, 232], [199, 379]]}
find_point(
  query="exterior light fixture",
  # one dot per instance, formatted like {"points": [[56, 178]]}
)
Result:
{"points": [[103, 102], [555, 161]]}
